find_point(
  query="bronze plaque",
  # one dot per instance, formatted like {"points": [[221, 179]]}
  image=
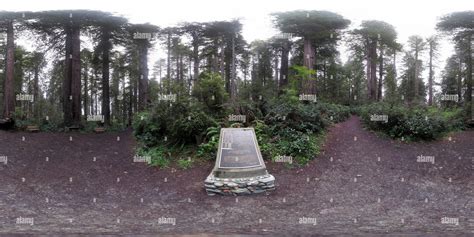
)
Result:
{"points": [[238, 148]]}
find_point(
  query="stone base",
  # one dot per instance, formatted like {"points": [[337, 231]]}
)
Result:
{"points": [[239, 186]]}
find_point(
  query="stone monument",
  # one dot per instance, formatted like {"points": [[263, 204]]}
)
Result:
{"points": [[239, 167]]}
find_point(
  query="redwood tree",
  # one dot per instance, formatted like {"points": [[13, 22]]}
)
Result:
{"points": [[375, 36], [460, 25], [312, 26], [109, 30], [7, 20], [142, 46], [61, 29]]}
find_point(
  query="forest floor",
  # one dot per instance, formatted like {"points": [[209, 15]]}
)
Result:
{"points": [[361, 184]]}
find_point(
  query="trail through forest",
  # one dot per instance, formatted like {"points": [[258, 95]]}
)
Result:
{"points": [[361, 183]]}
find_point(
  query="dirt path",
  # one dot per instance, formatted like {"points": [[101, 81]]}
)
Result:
{"points": [[361, 185]]}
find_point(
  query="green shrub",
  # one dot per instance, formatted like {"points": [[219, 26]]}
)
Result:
{"points": [[191, 129], [208, 149], [453, 116], [53, 124], [185, 163], [334, 113], [302, 147], [159, 156], [262, 132], [417, 123], [300, 117], [150, 128], [210, 90]]}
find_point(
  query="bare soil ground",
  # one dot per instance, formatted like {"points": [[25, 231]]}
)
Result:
{"points": [[362, 184]]}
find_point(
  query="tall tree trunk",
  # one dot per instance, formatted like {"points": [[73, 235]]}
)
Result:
{"points": [[233, 88], [86, 88], [168, 62], [309, 84], [469, 102], [124, 105], [379, 91], [135, 93], [373, 70], [178, 79], [368, 67], [8, 86], [417, 84], [143, 79], [395, 64], [284, 65], [76, 76], [67, 82], [430, 77], [215, 56], [106, 75], [190, 72], [36, 108], [222, 65], [459, 79], [94, 91], [196, 57], [275, 70], [130, 99], [181, 68]]}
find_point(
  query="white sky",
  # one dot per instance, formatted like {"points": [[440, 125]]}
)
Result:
{"points": [[409, 17]]}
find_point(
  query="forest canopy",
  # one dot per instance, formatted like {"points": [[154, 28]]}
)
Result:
{"points": [[83, 69]]}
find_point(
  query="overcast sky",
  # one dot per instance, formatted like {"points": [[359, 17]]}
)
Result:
{"points": [[409, 17]]}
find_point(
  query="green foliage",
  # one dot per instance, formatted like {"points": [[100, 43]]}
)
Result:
{"points": [[185, 163], [411, 124], [178, 123], [454, 117], [309, 23], [302, 147], [457, 20], [209, 148], [159, 156], [295, 129], [21, 119], [192, 128], [150, 128], [374, 29], [210, 90], [299, 117], [263, 134], [306, 118], [160, 161], [334, 113]]}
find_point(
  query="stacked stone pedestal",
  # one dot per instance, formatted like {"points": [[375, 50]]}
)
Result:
{"points": [[239, 186], [239, 169]]}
